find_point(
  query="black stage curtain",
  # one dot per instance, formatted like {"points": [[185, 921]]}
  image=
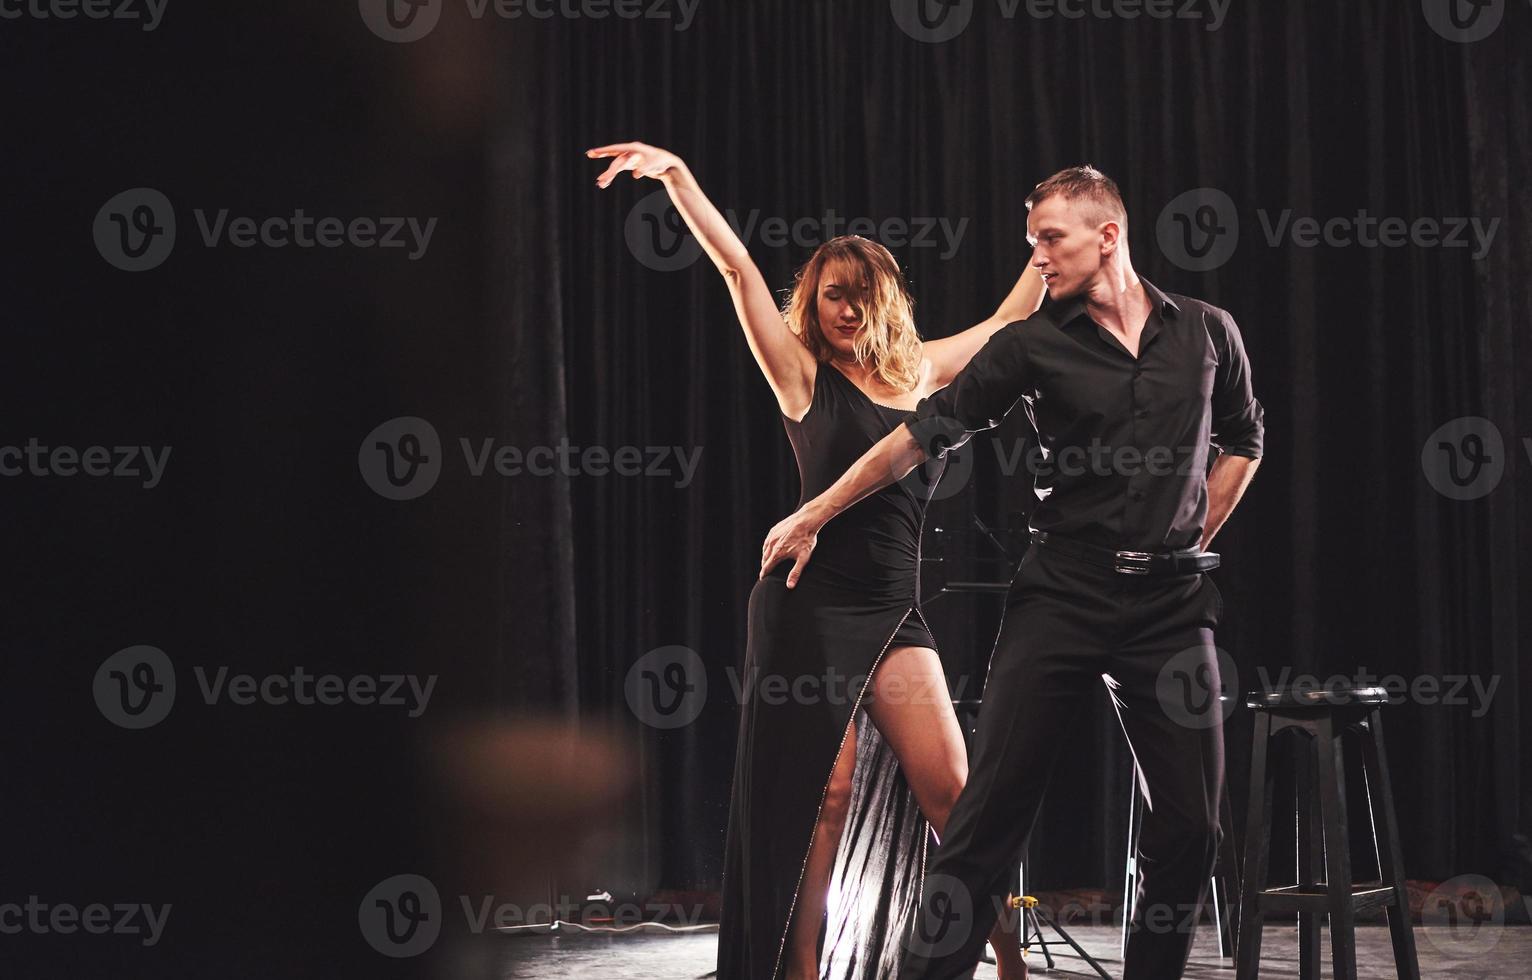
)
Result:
{"points": [[531, 319], [1342, 556]]}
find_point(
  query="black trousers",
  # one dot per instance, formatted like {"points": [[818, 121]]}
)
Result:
{"points": [[1067, 624]]}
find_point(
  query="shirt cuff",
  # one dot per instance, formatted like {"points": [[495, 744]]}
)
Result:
{"points": [[934, 431]]}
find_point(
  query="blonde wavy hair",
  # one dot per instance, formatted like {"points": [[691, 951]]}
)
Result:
{"points": [[872, 281]]}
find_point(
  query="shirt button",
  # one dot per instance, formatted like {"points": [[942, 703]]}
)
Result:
{"points": [[1141, 413], [1136, 494]]}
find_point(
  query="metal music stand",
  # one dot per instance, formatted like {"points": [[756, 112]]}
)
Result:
{"points": [[1033, 919]]}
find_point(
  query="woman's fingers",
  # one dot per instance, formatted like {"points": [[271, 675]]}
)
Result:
{"points": [[639, 158], [610, 150], [624, 162], [613, 169]]}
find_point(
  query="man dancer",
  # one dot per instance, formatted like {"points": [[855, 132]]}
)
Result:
{"points": [[1128, 388]]}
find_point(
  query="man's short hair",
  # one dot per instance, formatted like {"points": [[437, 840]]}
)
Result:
{"points": [[1085, 184]]}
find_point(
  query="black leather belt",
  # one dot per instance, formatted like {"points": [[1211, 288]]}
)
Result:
{"points": [[1182, 562]]}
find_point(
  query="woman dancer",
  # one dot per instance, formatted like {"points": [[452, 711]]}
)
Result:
{"points": [[815, 793]]}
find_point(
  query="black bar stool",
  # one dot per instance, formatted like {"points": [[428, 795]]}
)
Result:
{"points": [[1324, 716]]}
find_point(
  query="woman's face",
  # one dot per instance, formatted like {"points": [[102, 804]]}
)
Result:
{"points": [[840, 319]]}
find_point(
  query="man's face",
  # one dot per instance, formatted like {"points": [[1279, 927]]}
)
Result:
{"points": [[1067, 247]]}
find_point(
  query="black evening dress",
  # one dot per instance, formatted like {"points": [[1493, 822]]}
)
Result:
{"points": [[856, 598]]}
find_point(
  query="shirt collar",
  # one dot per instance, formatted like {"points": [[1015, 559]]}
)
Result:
{"points": [[1161, 301], [1067, 313]]}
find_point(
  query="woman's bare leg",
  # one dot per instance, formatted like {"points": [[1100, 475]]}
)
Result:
{"points": [[801, 959], [910, 704]]}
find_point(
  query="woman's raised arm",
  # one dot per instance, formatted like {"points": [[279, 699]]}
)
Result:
{"points": [[787, 364], [949, 355]]}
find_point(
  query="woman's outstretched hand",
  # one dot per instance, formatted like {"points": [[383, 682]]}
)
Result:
{"points": [[794, 537], [639, 159]]}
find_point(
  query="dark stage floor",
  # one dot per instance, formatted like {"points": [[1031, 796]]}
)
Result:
{"points": [[1505, 956]]}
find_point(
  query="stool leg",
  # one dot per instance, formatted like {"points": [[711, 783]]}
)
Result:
{"points": [[1257, 850], [1310, 854], [1332, 801], [1380, 801], [1130, 873]]}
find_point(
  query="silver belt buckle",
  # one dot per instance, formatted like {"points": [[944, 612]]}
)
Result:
{"points": [[1142, 556]]}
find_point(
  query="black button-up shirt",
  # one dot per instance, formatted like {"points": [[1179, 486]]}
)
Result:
{"points": [[1124, 442]]}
